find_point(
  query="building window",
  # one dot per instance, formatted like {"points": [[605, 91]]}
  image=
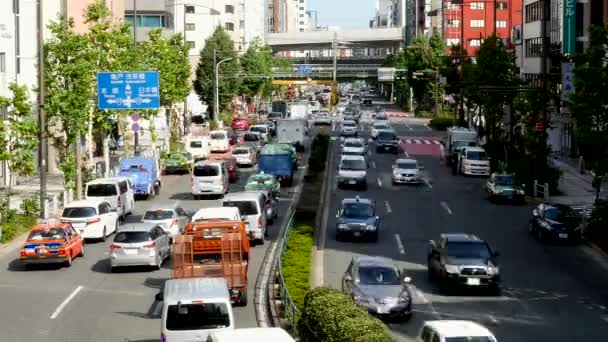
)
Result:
{"points": [[2, 61], [301, 15], [229, 9], [477, 23], [301, 30], [302, 9], [475, 42], [229, 26], [501, 5], [501, 23], [191, 44], [534, 12], [190, 27], [453, 23], [534, 47], [452, 41], [301, 22], [189, 9], [153, 21], [477, 5], [451, 6], [242, 24]]}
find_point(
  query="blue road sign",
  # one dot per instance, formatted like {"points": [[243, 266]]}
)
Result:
{"points": [[128, 90], [135, 116], [305, 69], [135, 127]]}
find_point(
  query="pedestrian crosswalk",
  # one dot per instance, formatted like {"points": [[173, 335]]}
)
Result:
{"points": [[421, 141]]}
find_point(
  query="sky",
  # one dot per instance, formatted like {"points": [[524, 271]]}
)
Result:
{"points": [[343, 13]]}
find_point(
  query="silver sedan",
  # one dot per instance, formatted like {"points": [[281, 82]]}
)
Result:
{"points": [[171, 219]]}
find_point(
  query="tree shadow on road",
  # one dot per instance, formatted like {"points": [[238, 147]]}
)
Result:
{"points": [[103, 266]]}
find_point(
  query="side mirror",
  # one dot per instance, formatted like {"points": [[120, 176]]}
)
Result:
{"points": [[377, 218], [160, 296], [407, 280], [348, 278]]}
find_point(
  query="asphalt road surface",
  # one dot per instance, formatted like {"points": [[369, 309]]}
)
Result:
{"points": [[550, 293], [88, 303]]}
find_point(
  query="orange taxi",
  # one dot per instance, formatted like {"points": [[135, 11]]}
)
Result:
{"points": [[52, 243]]}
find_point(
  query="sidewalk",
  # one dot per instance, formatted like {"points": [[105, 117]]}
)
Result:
{"points": [[575, 186]]}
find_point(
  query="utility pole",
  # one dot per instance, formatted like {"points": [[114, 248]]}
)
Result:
{"points": [[41, 114], [540, 158], [335, 49], [436, 91], [185, 99], [462, 53], [134, 22], [494, 12], [215, 87]]}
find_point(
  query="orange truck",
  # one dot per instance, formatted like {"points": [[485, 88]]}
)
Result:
{"points": [[211, 249]]}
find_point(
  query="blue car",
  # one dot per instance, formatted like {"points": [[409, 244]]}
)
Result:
{"points": [[357, 218], [143, 175]]}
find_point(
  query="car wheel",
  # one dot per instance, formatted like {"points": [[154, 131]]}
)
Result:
{"points": [[68, 260], [116, 225], [82, 250], [243, 300], [338, 236], [406, 317], [159, 262]]}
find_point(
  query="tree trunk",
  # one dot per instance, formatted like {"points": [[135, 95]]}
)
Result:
{"points": [[89, 139], [78, 162], [106, 154], [52, 158]]}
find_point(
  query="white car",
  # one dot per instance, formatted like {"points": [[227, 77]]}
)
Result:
{"points": [[93, 219], [406, 171], [244, 155], [263, 130], [219, 141], [172, 220], [353, 146], [217, 213], [379, 126], [352, 171], [454, 330], [322, 118], [349, 128]]}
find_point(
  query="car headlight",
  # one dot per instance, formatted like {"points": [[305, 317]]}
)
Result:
{"points": [[342, 226], [521, 192], [370, 227], [452, 269], [395, 173], [493, 270], [546, 225]]}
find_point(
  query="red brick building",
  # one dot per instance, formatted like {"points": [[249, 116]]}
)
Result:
{"points": [[478, 19]]}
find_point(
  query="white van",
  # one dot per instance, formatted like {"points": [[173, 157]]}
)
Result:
{"points": [[474, 161], [209, 178], [217, 213], [194, 308], [251, 335], [117, 191], [219, 141], [198, 147], [252, 207]]}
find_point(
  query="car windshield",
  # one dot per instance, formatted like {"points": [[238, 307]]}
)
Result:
{"points": [[198, 119], [79, 212], [381, 117], [386, 136], [206, 171], [380, 126], [177, 156], [218, 136], [251, 137], [504, 180], [204, 316], [196, 144], [407, 165], [245, 207], [470, 339], [275, 115], [353, 144], [240, 151], [134, 168], [477, 155], [357, 210], [349, 124], [101, 190], [131, 237], [258, 129], [51, 234], [460, 144], [353, 164], [559, 214], [261, 179], [378, 275], [158, 215], [468, 250]]}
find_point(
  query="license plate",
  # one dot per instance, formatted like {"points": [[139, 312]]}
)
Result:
{"points": [[352, 182], [473, 281], [357, 233], [42, 250], [563, 236], [131, 250]]}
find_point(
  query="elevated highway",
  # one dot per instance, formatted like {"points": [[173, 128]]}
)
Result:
{"points": [[371, 38]]}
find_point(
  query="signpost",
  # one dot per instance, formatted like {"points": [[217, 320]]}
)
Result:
{"points": [[567, 82], [128, 90], [569, 27]]}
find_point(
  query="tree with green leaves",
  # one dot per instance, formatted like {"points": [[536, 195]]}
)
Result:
{"points": [[425, 54], [69, 71], [223, 46], [456, 64], [589, 105], [170, 58], [257, 61], [19, 134]]}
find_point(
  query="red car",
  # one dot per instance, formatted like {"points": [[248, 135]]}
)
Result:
{"points": [[240, 124]]}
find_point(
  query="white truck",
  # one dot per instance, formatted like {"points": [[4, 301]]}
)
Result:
{"points": [[292, 131], [298, 110], [459, 137]]}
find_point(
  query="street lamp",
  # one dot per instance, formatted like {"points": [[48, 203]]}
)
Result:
{"points": [[216, 92]]}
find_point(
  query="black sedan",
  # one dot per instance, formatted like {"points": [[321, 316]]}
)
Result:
{"points": [[555, 222]]}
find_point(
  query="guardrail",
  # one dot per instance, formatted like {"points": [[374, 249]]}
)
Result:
{"points": [[290, 311], [541, 190]]}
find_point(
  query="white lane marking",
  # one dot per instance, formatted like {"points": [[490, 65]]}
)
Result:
{"points": [[604, 318], [379, 182], [66, 302], [492, 319], [427, 142], [303, 167], [399, 244], [334, 138], [445, 206], [425, 300], [333, 126], [418, 141], [437, 142], [407, 155], [409, 127], [373, 164], [428, 128], [408, 141], [426, 181], [388, 207]]}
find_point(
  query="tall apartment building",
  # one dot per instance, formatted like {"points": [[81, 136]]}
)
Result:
{"points": [[303, 24], [284, 15]]}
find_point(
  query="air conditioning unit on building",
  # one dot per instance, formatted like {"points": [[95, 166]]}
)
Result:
{"points": [[516, 34]]}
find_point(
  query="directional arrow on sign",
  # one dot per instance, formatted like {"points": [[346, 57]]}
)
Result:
{"points": [[112, 101], [146, 101]]}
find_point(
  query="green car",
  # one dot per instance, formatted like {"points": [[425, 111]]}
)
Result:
{"points": [[502, 186], [263, 182], [179, 162]]}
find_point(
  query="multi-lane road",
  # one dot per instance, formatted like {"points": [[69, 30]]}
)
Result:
{"points": [[550, 293], [88, 303]]}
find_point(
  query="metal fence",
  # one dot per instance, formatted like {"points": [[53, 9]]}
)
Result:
{"points": [[290, 311]]}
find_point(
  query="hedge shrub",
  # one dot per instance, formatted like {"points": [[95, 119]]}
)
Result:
{"points": [[318, 155], [597, 226], [329, 315], [16, 226], [297, 261], [441, 123]]}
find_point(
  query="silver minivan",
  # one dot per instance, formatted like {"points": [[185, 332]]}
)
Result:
{"points": [[252, 207], [140, 244], [209, 178]]}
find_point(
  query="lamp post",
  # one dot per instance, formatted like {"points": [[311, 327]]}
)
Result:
{"points": [[41, 114], [216, 93]]}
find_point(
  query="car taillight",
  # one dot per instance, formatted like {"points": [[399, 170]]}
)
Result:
{"points": [[260, 221], [113, 247], [150, 245], [93, 221]]}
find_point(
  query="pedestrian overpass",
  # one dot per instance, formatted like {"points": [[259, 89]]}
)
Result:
{"points": [[364, 67], [315, 40]]}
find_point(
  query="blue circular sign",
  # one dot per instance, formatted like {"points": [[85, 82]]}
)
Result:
{"points": [[135, 127], [135, 116]]}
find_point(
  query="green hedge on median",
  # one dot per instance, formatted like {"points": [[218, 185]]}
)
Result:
{"points": [[297, 259], [318, 155], [442, 123], [329, 315]]}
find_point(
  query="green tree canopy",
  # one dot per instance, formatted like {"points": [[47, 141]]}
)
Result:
{"points": [[425, 53], [257, 61], [203, 83]]}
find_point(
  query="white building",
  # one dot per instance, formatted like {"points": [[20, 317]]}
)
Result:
{"points": [[303, 17]]}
